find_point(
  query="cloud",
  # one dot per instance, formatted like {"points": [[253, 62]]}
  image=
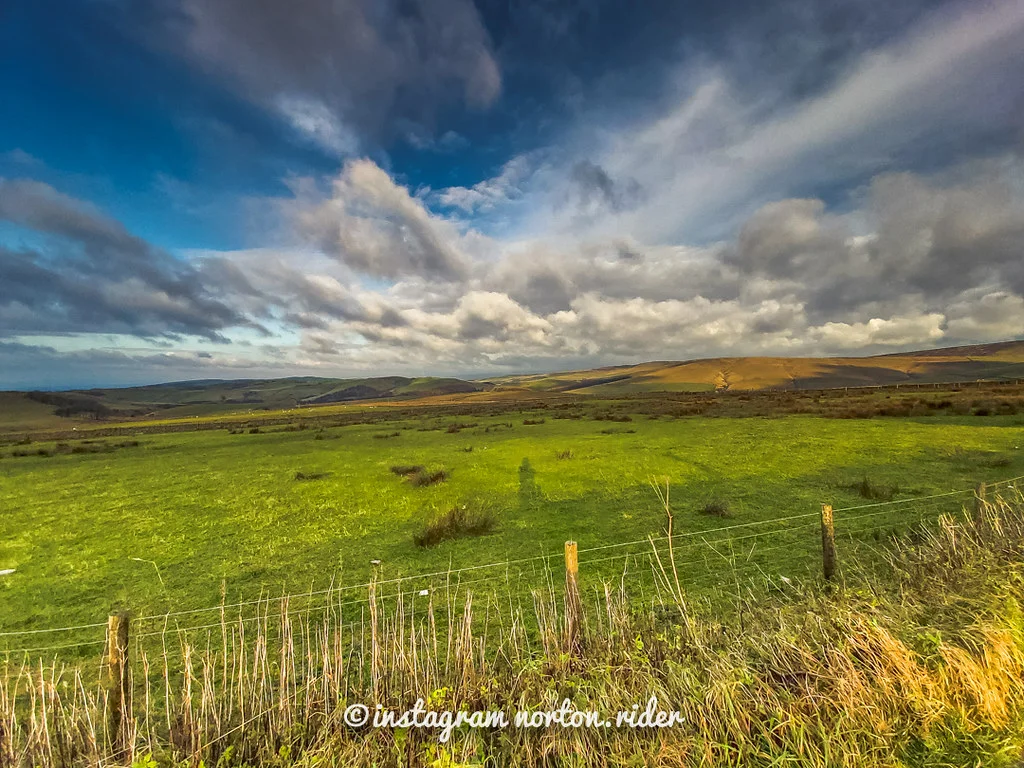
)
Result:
{"points": [[342, 71], [490, 193], [88, 273], [727, 138], [376, 227], [743, 212]]}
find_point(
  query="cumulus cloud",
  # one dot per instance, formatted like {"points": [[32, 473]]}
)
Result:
{"points": [[377, 227], [341, 71]]}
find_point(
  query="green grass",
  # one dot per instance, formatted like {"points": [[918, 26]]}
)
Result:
{"points": [[164, 525]]}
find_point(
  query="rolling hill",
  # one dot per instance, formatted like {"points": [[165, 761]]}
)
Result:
{"points": [[955, 364], [41, 410]]}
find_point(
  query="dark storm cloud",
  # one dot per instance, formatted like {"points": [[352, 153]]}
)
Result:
{"points": [[342, 69], [92, 275]]}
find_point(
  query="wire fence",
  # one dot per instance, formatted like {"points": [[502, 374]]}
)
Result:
{"points": [[736, 547]]}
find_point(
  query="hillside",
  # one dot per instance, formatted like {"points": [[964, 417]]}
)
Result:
{"points": [[43, 410], [209, 397], [956, 364]]}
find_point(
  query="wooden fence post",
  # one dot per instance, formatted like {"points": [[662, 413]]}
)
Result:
{"points": [[979, 502], [375, 655], [118, 695], [828, 542], [573, 604]]}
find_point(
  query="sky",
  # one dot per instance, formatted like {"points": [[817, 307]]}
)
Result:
{"points": [[252, 188]]}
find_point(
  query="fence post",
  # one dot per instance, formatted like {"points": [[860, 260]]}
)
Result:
{"points": [[828, 542], [375, 656], [573, 604], [979, 502], [118, 695]]}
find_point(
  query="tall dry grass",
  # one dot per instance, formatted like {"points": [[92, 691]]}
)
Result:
{"points": [[920, 663]]}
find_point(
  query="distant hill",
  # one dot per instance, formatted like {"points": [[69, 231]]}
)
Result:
{"points": [[42, 410], [1004, 360], [37, 410]]}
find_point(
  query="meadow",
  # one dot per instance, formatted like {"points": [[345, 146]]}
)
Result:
{"points": [[169, 521]]}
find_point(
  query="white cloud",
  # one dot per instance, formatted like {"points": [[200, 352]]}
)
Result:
{"points": [[377, 227]]}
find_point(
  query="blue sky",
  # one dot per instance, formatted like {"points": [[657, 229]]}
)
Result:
{"points": [[343, 187]]}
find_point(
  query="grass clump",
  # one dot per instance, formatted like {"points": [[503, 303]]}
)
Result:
{"points": [[459, 522], [868, 489], [386, 435], [563, 455], [427, 477], [717, 508], [311, 475]]}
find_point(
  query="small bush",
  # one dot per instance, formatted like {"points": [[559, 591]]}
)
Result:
{"points": [[457, 523], [532, 422], [311, 475], [386, 435], [567, 454], [254, 431], [404, 470], [717, 508]]}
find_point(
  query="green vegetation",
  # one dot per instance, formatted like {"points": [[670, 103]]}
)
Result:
{"points": [[162, 521]]}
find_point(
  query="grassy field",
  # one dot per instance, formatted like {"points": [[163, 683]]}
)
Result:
{"points": [[169, 521]]}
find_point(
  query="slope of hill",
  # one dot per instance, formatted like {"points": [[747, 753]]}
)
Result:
{"points": [[202, 398], [35, 410], [956, 364]]}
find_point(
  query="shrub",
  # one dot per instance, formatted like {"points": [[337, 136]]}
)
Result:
{"points": [[457, 523], [532, 422], [386, 435], [567, 454]]}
